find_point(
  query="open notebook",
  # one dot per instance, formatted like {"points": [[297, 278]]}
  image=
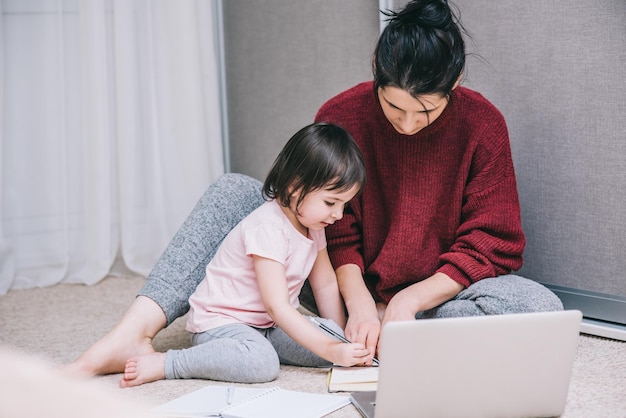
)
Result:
{"points": [[514, 365], [244, 402]]}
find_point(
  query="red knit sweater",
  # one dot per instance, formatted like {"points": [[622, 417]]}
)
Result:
{"points": [[444, 199]]}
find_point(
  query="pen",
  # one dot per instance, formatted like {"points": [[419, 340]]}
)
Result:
{"points": [[229, 395], [335, 334]]}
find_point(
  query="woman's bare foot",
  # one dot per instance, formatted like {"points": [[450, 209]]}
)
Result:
{"points": [[143, 369], [109, 354], [131, 337]]}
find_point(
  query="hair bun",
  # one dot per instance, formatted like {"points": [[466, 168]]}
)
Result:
{"points": [[425, 13]]}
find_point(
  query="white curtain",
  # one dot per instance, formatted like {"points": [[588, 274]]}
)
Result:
{"points": [[110, 132]]}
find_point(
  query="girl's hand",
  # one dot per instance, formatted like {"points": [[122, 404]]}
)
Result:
{"points": [[349, 354]]}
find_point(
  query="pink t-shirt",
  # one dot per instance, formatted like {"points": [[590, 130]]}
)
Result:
{"points": [[230, 293]]}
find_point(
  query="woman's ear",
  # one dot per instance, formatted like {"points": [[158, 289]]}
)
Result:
{"points": [[458, 81]]}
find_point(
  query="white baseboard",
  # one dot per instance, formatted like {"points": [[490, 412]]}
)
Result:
{"points": [[603, 329]]}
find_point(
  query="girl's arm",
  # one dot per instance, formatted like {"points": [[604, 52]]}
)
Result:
{"points": [[273, 287], [323, 282]]}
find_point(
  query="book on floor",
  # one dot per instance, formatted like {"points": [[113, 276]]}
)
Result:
{"points": [[352, 379]]}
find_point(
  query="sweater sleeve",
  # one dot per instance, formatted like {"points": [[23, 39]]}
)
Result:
{"points": [[489, 239]]}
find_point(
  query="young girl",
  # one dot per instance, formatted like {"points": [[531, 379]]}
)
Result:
{"points": [[243, 315]]}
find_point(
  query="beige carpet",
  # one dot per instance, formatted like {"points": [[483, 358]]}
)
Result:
{"points": [[60, 322]]}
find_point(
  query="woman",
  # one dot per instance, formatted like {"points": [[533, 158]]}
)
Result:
{"points": [[436, 230]]}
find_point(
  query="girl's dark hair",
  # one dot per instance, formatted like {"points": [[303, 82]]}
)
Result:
{"points": [[421, 50], [319, 156]]}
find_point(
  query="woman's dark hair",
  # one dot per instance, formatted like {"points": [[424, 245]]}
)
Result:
{"points": [[421, 50], [319, 156]]}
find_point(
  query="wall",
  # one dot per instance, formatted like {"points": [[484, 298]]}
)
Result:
{"points": [[284, 59], [557, 74]]}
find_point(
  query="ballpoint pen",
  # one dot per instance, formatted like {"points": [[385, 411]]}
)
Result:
{"points": [[336, 335], [229, 395]]}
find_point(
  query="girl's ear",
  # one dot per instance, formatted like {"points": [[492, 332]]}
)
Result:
{"points": [[293, 195]]}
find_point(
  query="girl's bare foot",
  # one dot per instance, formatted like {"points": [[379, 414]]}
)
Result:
{"points": [[143, 369], [131, 337]]}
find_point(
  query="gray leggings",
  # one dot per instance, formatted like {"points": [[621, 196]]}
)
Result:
{"points": [[240, 353], [233, 196]]}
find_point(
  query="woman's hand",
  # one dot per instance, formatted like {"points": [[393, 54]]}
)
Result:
{"points": [[363, 325], [421, 296], [401, 307], [365, 330]]}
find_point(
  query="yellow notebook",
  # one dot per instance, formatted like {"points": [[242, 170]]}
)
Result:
{"points": [[352, 379]]}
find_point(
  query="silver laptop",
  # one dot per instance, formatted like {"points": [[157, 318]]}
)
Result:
{"points": [[513, 365]]}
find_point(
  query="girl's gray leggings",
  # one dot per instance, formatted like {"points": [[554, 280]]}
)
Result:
{"points": [[240, 353]]}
